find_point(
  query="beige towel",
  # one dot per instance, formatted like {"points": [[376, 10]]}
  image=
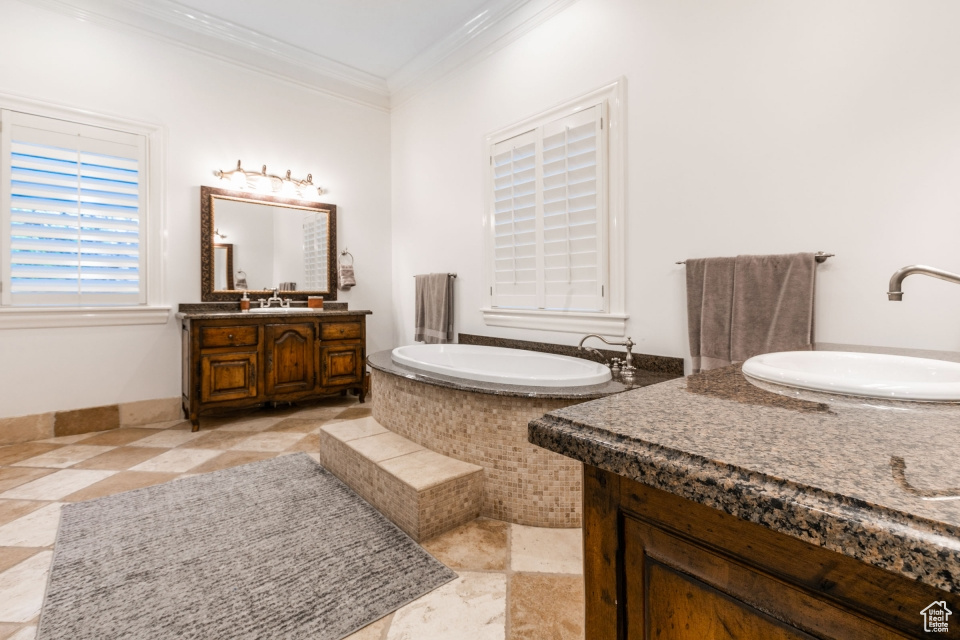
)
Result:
{"points": [[345, 276], [434, 309], [744, 306]]}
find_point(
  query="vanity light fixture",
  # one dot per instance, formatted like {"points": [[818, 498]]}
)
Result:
{"points": [[263, 181]]}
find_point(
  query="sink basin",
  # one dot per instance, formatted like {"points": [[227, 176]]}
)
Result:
{"points": [[869, 375], [283, 310]]}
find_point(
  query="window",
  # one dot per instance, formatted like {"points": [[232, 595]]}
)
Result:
{"points": [[74, 223], [553, 194]]}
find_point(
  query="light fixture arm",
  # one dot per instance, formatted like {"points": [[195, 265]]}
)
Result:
{"points": [[299, 185]]}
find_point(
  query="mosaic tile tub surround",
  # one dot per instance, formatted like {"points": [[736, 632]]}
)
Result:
{"points": [[523, 483]]}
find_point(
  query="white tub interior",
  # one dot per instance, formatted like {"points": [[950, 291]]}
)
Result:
{"points": [[501, 365]]}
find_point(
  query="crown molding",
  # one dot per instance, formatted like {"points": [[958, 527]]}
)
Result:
{"points": [[177, 24], [499, 23]]}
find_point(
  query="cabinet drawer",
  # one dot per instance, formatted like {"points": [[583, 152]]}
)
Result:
{"points": [[341, 330], [243, 336]]}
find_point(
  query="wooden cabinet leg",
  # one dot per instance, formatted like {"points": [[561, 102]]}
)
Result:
{"points": [[195, 421], [361, 393]]}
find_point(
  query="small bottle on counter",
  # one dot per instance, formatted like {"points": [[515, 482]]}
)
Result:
{"points": [[245, 302], [315, 302]]}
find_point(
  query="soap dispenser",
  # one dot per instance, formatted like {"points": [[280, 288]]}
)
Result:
{"points": [[245, 302]]}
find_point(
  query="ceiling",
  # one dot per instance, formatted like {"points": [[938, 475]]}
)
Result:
{"points": [[373, 52], [374, 36]]}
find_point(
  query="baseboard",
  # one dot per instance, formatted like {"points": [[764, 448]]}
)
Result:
{"points": [[41, 426]]}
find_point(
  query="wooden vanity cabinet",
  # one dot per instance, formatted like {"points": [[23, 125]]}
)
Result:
{"points": [[657, 566], [244, 360]]}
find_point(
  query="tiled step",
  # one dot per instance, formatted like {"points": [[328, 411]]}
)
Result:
{"points": [[421, 491]]}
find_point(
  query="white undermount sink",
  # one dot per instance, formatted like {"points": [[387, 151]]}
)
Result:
{"points": [[283, 310], [870, 375]]}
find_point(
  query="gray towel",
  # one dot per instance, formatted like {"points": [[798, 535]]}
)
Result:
{"points": [[741, 307], [434, 309], [772, 304], [709, 311]]}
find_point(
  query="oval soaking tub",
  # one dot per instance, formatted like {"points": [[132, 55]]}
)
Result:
{"points": [[473, 403], [502, 366]]}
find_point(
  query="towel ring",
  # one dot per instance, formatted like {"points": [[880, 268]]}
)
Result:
{"points": [[345, 253]]}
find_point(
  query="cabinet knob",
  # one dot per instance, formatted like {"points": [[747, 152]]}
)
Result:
{"points": [[230, 336]]}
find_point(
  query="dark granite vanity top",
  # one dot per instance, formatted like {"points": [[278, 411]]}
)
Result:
{"points": [[215, 310], [382, 361], [873, 479]]}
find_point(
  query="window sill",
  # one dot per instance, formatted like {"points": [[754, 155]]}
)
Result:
{"points": [[52, 317], [607, 324]]}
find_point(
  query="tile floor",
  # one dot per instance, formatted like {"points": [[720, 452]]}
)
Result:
{"points": [[516, 582]]}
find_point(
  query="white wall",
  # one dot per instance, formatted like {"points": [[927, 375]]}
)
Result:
{"points": [[214, 113], [760, 126]]}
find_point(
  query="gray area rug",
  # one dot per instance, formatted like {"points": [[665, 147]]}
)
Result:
{"points": [[274, 549]]}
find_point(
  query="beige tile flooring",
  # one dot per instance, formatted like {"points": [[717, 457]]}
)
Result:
{"points": [[516, 582]]}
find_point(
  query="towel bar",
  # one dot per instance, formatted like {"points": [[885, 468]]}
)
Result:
{"points": [[819, 256], [452, 275]]}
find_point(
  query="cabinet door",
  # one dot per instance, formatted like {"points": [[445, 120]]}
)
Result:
{"points": [[675, 589], [341, 364], [228, 376], [289, 353]]}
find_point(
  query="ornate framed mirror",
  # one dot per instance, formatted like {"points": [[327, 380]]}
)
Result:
{"points": [[272, 242]]}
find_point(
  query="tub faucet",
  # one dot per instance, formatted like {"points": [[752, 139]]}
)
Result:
{"points": [[627, 369], [895, 293]]}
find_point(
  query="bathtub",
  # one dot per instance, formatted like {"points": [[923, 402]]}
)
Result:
{"points": [[501, 366]]}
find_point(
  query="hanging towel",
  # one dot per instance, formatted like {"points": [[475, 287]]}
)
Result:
{"points": [[434, 309], [741, 307], [709, 311], [773, 304], [345, 276]]}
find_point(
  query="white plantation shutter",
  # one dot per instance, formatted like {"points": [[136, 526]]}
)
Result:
{"points": [[72, 217], [571, 213], [515, 235], [548, 216]]}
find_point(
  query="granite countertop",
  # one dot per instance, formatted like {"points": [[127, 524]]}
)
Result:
{"points": [[381, 361], [214, 315], [873, 479]]}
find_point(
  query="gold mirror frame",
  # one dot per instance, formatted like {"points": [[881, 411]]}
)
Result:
{"points": [[207, 291]]}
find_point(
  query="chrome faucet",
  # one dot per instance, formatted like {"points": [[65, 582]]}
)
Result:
{"points": [[627, 369], [895, 292], [274, 298]]}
